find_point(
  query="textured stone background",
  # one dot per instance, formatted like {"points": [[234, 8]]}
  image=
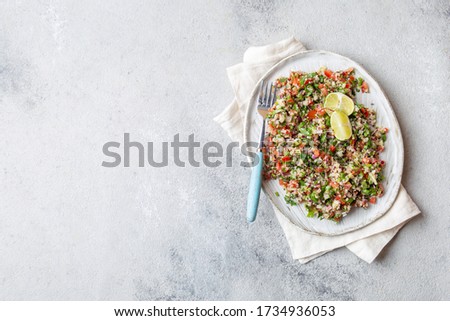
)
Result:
{"points": [[76, 74]]}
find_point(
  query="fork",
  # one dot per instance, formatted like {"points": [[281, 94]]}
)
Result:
{"points": [[267, 95]]}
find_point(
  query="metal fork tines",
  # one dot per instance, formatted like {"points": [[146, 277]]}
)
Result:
{"points": [[267, 96]]}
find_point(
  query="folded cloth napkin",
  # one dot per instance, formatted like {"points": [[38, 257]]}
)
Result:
{"points": [[366, 242]]}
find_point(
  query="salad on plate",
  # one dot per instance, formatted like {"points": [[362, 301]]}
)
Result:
{"points": [[322, 146]]}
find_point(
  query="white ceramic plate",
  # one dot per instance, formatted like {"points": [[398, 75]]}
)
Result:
{"points": [[310, 61]]}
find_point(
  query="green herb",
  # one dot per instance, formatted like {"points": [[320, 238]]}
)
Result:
{"points": [[305, 131], [302, 80], [290, 199], [364, 184], [311, 212]]}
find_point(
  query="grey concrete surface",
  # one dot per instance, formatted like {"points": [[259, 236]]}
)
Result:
{"points": [[77, 74]]}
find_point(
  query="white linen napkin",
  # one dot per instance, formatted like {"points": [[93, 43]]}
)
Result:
{"points": [[366, 242]]}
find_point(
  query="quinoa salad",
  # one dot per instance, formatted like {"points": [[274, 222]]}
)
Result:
{"points": [[327, 175]]}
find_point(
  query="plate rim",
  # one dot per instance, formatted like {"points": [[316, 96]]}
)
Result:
{"points": [[396, 187]]}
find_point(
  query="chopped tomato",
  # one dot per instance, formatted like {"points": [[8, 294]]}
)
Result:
{"points": [[279, 166], [307, 81], [373, 200], [338, 198], [364, 87], [293, 184], [316, 153], [365, 112], [324, 91], [386, 130], [295, 82], [319, 169], [328, 73], [349, 70], [380, 148], [334, 184], [286, 158], [282, 183], [312, 114], [320, 111], [286, 131], [332, 148]]}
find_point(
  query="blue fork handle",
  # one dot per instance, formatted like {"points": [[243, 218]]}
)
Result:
{"points": [[255, 189]]}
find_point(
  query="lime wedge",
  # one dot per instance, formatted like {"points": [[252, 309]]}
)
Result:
{"points": [[338, 102], [341, 126]]}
